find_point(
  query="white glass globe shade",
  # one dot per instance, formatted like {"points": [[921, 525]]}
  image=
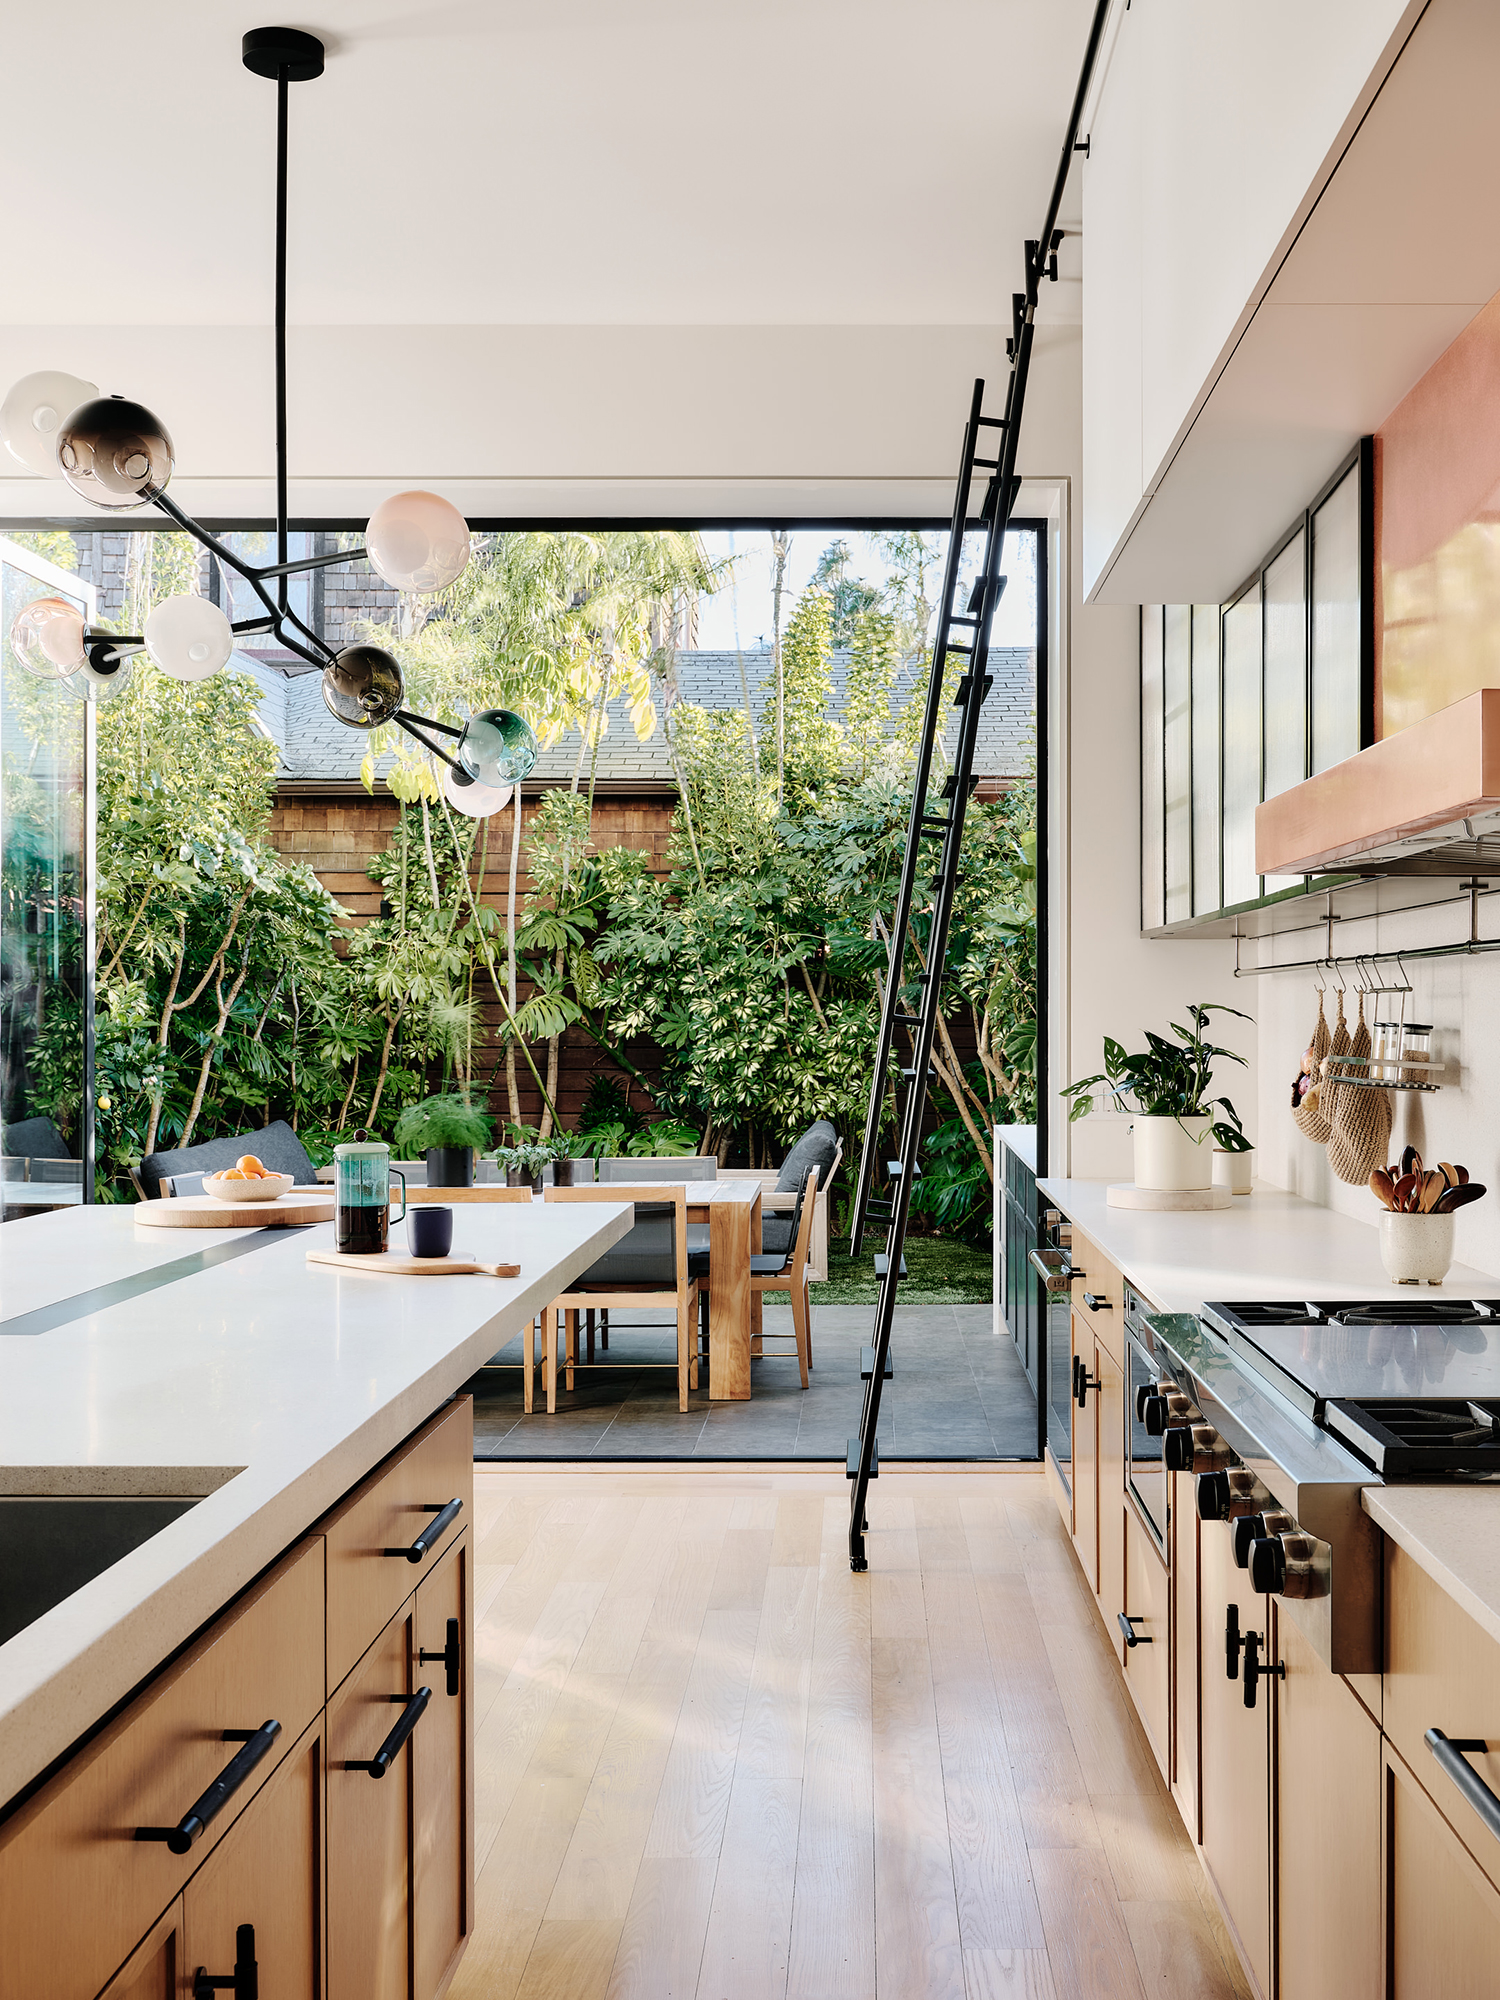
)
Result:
{"points": [[34, 412], [47, 638], [188, 638], [478, 801], [417, 541], [92, 683]]}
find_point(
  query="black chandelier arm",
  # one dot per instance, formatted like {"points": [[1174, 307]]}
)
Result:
{"points": [[409, 724], [287, 617], [281, 484], [429, 722], [244, 627], [311, 562], [118, 645], [322, 658]]}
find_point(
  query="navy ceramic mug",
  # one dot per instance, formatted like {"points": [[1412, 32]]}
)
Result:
{"points": [[429, 1231]]}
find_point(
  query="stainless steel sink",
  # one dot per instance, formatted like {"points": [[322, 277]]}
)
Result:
{"points": [[52, 1545]]}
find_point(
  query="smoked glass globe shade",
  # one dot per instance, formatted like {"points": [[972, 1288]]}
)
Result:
{"points": [[477, 800], [418, 541], [188, 638], [497, 748], [363, 686], [47, 638], [114, 453], [33, 414]]}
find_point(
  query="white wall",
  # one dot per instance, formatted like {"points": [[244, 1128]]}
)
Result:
{"points": [[1215, 128], [1460, 997]]}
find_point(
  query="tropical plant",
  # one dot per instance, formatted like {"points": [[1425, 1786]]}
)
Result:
{"points": [[449, 1121], [1168, 1081]]}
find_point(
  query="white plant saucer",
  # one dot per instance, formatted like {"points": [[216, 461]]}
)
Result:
{"points": [[1125, 1194]]}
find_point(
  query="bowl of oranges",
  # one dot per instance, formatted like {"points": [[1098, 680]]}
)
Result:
{"points": [[246, 1180]]}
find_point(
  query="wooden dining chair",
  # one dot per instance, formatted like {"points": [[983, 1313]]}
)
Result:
{"points": [[487, 1191], [786, 1271], [649, 1267]]}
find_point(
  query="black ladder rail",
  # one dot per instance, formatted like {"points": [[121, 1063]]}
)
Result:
{"points": [[999, 501], [933, 722]]}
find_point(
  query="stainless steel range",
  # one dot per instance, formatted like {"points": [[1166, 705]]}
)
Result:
{"points": [[1298, 1405]]}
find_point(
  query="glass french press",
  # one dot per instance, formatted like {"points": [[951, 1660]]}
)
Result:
{"points": [[362, 1212]]}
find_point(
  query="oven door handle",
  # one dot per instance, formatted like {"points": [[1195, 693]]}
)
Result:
{"points": [[1056, 1277], [1449, 1752]]}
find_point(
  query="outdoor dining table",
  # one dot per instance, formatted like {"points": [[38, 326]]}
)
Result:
{"points": [[732, 1212]]}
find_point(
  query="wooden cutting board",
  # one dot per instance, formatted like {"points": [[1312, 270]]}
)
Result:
{"points": [[395, 1264], [201, 1211]]}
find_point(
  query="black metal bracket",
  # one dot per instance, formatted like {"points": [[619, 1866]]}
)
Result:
{"points": [[450, 1659]]}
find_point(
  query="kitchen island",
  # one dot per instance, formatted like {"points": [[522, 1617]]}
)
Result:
{"points": [[250, 1397]]}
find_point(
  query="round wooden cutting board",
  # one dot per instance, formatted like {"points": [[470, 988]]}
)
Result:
{"points": [[201, 1211]]}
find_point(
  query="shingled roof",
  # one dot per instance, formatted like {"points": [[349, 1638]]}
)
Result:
{"points": [[316, 749]]}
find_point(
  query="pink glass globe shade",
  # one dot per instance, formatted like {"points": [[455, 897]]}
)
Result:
{"points": [[47, 638], [188, 638], [34, 412], [114, 453], [477, 800], [418, 541]]}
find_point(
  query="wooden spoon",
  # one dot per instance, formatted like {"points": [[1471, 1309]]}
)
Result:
{"points": [[1449, 1172], [1411, 1161], [1402, 1192], [1459, 1197], [1433, 1185], [1382, 1186]]}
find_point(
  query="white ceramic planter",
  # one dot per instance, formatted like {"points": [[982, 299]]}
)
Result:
{"points": [[1416, 1249], [1173, 1153], [1234, 1170]]}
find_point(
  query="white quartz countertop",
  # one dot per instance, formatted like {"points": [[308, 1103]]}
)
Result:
{"points": [[1268, 1245], [1449, 1531], [267, 1384]]}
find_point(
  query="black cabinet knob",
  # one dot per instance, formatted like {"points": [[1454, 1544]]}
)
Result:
{"points": [[1213, 1496], [1177, 1448], [1249, 1528], [1268, 1565]]}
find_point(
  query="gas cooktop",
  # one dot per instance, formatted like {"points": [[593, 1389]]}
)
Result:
{"points": [[1413, 1386]]}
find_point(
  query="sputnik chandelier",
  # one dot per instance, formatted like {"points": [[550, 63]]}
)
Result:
{"points": [[116, 454]]}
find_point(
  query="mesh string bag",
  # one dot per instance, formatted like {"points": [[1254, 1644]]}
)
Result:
{"points": [[1308, 1112], [1361, 1119], [1328, 1088]]}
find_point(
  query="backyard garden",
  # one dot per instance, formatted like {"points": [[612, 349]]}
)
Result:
{"points": [[725, 1003]]}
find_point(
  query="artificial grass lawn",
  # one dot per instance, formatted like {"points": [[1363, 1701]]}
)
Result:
{"points": [[940, 1271]]}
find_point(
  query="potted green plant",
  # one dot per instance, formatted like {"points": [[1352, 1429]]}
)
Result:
{"points": [[449, 1130], [566, 1152], [523, 1165], [1168, 1087]]}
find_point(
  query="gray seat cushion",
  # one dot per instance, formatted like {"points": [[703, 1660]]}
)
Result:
{"points": [[815, 1148], [34, 1139], [645, 1255], [694, 1167], [776, 1233], [276, 1146]]}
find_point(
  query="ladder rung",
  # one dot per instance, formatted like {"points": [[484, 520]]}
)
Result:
{"points": [[851, 1462], [879, 1211], [894, 1170], [950, 789], [910, 1074], [993, 423], [883, 1264], [867, 1365], [907, 1020], [990, 464], [962, 617]]}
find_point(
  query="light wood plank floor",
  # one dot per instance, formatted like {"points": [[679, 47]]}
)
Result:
{"points": [[715, 1765]]}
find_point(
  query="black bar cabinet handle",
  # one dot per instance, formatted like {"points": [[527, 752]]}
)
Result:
{"points": [[450, 1658], [433, 1532], [181, 1837], [243, 1982], [1254, 1668], [1449, 1751], [1083, 1382], [390, 1750], [1232, 1643], [1128, 1624]]}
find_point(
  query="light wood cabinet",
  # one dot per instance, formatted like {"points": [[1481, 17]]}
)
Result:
{"points": [[1086, 1455], [1110, 1397], [267, 1873], [1235, 1756], [1148, 1663], [443, 1774], [369, 1824], [1328, 1766], [153, 1970], [1440, 1924], [1182, 1531]]}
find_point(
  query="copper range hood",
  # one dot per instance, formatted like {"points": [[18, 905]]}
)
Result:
{"points": [[1423, 802]]}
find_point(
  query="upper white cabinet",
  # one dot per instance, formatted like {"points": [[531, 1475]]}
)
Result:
{"points": [[1214, 130]]}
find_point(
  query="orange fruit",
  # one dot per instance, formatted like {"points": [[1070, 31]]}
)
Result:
{"points": [[233, 1174], [250, 1167]]}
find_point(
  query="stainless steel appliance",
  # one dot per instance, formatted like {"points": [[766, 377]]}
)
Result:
{"points": [[1303, 1404]]}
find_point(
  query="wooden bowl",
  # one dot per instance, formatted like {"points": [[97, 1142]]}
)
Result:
{"points": [[270, 1187]]}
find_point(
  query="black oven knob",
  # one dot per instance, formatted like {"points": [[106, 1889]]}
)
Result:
{"points": [[1268, 1566], [1247, 1530], [1155, 1416], [1142, 1396], [1177, 1448], [1213, 1496]]}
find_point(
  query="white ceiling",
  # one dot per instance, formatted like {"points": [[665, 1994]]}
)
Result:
{"points": [[488, 162]]}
